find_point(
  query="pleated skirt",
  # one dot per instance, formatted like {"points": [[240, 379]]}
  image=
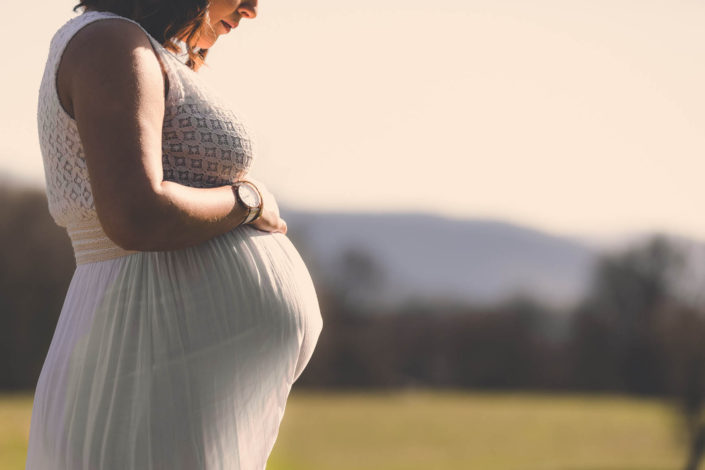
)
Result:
{"points": [[179, 360]]}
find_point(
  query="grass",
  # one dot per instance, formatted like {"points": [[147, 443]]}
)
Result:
{"points": [[445, 430], [15, 413]]}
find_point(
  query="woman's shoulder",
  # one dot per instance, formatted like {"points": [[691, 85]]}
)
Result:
{"points": [[111, 51], [112, 42], [105, 32], [101, 34]]}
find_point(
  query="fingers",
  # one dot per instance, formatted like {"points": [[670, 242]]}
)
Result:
{"points": [[271, 222]]}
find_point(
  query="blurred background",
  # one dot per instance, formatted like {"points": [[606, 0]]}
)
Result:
{"points": [[499, 201]]}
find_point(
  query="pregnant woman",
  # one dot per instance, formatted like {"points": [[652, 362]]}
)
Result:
{"points": [[190, 313]]}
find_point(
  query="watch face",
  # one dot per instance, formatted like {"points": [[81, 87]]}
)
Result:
{"points": [[248, 194]]}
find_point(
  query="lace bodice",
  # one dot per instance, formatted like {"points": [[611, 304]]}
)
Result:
{"points": [[204, 144]]}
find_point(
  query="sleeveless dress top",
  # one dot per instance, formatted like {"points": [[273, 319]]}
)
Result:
{"points": [[182, 359]]}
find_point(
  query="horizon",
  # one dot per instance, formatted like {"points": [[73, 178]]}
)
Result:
{"points": [[596, 240]]}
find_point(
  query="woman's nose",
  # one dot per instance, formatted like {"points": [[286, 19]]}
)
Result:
{"points": [[248, 9]]}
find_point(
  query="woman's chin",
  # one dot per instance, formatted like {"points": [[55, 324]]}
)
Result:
{"points": [[207, 40], [206, 43]]}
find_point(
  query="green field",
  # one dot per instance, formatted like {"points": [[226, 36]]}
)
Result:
{"points": [[445, 430]]}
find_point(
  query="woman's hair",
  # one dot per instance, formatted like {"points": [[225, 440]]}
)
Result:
{"points": [[168, 21]]}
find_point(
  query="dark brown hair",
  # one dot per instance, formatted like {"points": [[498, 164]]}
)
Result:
{"points": [[168, 21]]}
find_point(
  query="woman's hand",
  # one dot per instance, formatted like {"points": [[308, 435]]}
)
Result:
{"points": [[269, 221]]}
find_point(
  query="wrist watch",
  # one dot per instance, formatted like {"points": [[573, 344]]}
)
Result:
{"points": [[250, 197]]}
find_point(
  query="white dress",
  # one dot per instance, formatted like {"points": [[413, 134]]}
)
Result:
{"points": [[178, 360]]}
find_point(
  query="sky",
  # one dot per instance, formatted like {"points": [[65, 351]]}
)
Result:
{"points": [[579, 117]]}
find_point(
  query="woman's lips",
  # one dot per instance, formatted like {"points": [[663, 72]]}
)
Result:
{"points": [[227, 26]]}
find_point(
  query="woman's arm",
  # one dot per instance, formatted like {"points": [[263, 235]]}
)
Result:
{"points": [[111, 81]]}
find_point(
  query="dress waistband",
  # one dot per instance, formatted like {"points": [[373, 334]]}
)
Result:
{"points": [[91, 244]]}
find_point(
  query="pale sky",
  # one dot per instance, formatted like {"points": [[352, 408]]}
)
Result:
{"points": [[577, 117]]}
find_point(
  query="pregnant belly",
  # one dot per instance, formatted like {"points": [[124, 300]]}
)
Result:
{"points": [[266, 262], [260, 271], [246, 290], [261, 281], [244, 282]]}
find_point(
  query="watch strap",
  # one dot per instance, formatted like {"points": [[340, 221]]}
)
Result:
{"points": [[250, 215]]}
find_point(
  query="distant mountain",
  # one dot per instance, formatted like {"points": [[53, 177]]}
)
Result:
{"points": [[424, 256]]}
